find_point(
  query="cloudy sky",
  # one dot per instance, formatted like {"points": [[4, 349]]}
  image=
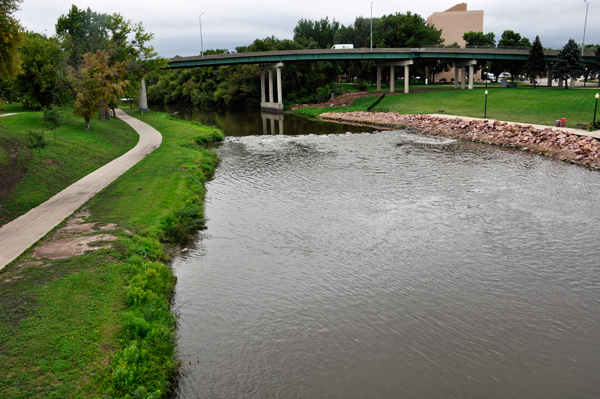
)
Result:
{"points": [[231, 23]]}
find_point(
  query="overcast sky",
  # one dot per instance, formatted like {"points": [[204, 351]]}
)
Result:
{"points": [[230, 23]]}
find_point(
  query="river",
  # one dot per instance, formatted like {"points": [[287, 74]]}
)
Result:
{"points": [[390, 265]]}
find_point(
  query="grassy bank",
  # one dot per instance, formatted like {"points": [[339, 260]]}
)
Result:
{"points": [[527, 105], [100, 325], [26, 181]]}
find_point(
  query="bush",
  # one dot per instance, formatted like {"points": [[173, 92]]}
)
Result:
{"points": [[361, 85], [178, 226]]}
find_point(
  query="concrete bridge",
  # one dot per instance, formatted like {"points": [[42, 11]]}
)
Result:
{"points": [[462, 58]]}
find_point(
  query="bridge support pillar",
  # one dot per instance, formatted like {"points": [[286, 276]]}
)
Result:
{"points": [[271, 105], [462, 65], [393, 64], [143, 98]]}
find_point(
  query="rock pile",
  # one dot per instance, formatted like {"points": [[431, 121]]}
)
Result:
{"points": [[583, 150]]}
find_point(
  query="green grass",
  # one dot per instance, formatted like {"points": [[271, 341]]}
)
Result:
{"points": [[75, 154], [527, 105], [100, 325]]}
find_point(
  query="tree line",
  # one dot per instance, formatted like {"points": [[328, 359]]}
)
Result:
{"points": [[92, 61]]}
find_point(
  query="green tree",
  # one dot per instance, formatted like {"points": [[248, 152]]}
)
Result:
{"points": [[480, 39], [96, 84], [322, 31], [52, 119], [404, 30], [358, 34], [536, 63], [569, 63], [36, 141], [42, 68], [511, 39], [11, 37]]}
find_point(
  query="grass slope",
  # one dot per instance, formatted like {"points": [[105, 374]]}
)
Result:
{"points": [[100, 325], [28, 182], [527, 105]]}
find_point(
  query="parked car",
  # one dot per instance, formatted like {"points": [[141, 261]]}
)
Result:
{"points": [[491, 77], [443, 80], [504, 75]]}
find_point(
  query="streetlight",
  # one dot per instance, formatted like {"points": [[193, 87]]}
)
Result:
{"points": [[371, 26], [485, 111], [587, 5], [201, 44], [595, 109]]}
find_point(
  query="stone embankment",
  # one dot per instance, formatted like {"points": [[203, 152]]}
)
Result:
{"points": [[563, 145]]}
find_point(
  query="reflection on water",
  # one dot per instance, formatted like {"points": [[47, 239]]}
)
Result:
{"points": [[249, 123], [271, 119], [391, 265]]}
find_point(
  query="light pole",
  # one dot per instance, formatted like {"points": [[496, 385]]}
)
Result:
{"points": [[201, 44], [587, 5], [595, 109], [371, 26], [485, 111]]}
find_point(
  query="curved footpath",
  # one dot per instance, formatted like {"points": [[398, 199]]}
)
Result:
{"points": [[27, 229]]}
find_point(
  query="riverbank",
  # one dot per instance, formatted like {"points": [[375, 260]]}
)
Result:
{"points": [[560, 144], [97, 321]]}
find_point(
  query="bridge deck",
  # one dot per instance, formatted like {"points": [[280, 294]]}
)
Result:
{"points": [[385, 54]]}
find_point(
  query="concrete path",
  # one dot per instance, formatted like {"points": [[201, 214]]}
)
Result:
{"points": [[26, 230], [579, 132]]}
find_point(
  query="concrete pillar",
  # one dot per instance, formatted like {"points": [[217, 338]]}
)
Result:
{"points": [[471, 73], [392, 79], [264, 125], [272, 126], [279, 89], [281, 126], [462, 78], [406, 78], [270, 85], [456, 77], [262, 86], [378, 79], [143, 99]]}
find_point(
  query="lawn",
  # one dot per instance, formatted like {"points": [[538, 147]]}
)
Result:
{"points": [[27, 181], [527, 105], [100, 325]]}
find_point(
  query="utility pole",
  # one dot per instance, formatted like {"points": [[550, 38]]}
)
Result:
{"points": [[371, 26], [201, 44]]}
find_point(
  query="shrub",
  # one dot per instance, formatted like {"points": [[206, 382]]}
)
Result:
{"points": [[179, 225]]}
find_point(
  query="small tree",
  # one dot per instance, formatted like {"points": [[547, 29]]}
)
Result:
{"points": [[569, 63], [536, 63], [36, 141], [52, 119]]}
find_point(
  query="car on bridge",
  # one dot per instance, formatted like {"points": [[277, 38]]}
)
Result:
{"points": [[231, 52]]}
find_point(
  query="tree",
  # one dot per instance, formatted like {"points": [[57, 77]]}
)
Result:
{"points": [[39, 82], [480, 39], [358, 34], [97, 84], [52, 119], [405, 30], [536, 63], [569, 63], [36, 141], [513, 40], [322, 31], [11, 37]]}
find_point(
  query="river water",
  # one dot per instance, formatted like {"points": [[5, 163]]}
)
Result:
{"points": [[391, 265]]}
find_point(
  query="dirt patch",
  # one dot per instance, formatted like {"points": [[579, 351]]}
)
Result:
{"points": [[74, 246], [344, 100]]}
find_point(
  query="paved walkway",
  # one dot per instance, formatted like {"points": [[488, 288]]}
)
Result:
{"points": [[579, 132], [26, 230]]}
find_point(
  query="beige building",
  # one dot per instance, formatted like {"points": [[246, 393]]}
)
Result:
{"points": [[454, 22]]}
